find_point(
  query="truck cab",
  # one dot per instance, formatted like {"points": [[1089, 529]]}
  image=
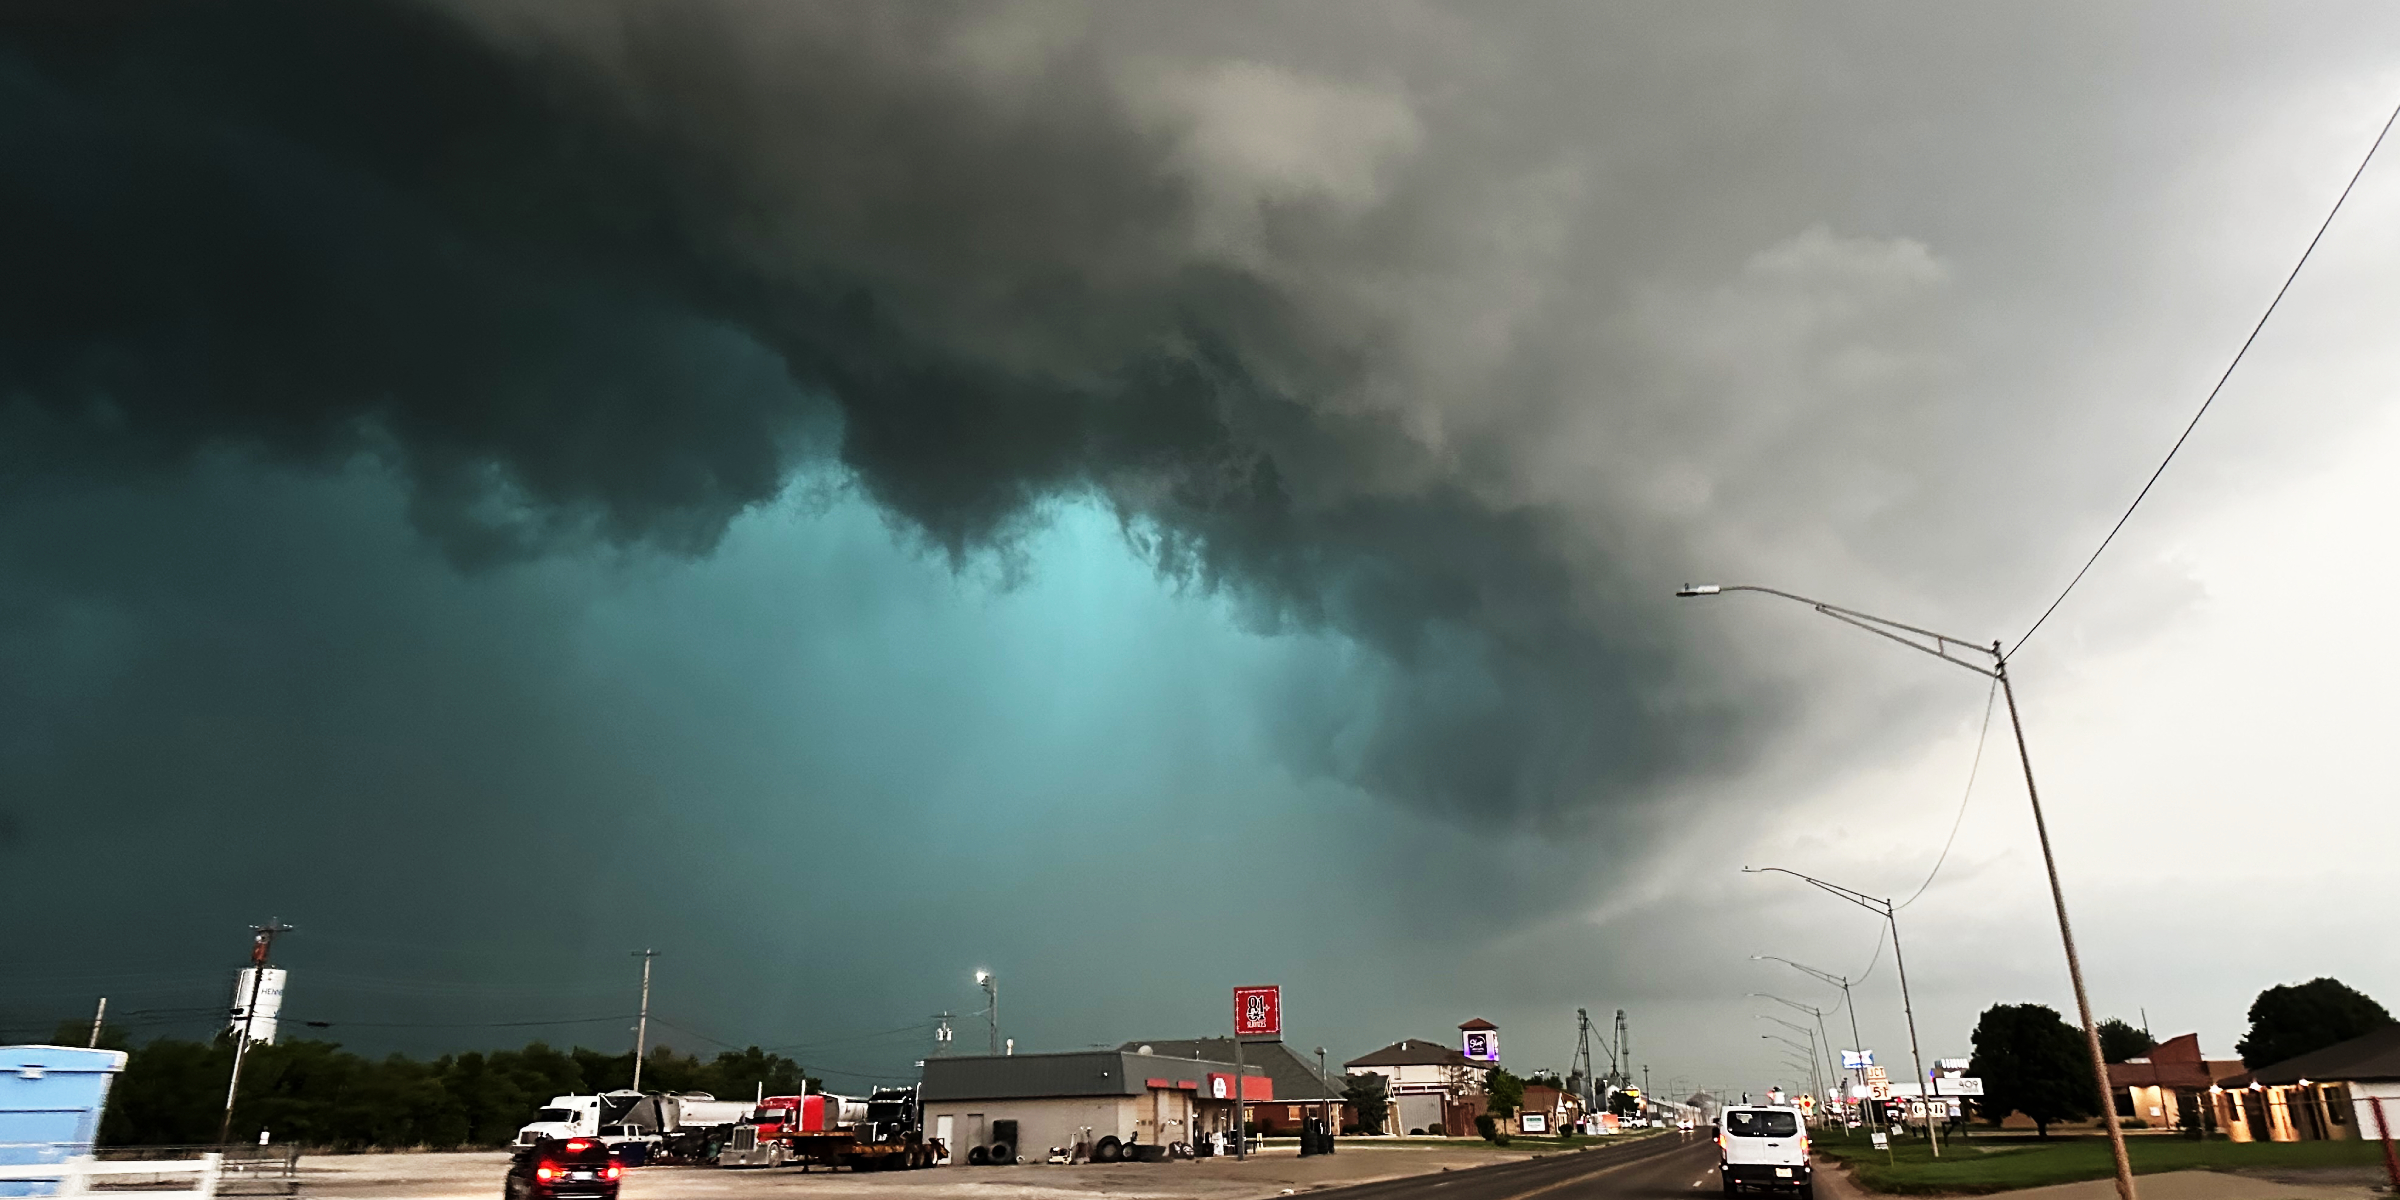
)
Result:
{"points": [[563, 1118]]}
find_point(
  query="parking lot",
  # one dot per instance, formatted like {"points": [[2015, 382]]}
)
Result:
{"points": [[1274, 1172]]}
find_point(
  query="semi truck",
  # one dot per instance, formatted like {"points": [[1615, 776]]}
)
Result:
{"points": [[884, 1131], [638, 1127]]}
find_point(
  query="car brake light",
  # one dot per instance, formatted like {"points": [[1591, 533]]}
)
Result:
{"points": [[545, 1172], [578, 1145], [615, 1171]]}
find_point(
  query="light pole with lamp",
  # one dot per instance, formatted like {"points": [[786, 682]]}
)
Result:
{"points": [[1817, 1082], [1823, 1040], [1938, 645], [1882, 908], [1810, 1050], [991, 1008]]}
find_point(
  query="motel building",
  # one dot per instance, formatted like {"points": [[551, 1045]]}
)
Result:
{"points": [[2346, 1090]]}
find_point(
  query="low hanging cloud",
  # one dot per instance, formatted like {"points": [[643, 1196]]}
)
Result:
{"points": [[1330, 334]]}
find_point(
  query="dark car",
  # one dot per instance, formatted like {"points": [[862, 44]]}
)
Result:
{"points": [[563, 1169]]}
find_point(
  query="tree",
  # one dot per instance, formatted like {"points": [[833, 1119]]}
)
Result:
{"points": [[1503, 1092], [1545, 1079], [1625, 1104], [2119, 1041], [2034, 1063], [1364, 1091], [2289, 1020]]}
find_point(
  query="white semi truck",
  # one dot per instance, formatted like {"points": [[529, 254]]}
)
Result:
{"points": [[685, 1128]]}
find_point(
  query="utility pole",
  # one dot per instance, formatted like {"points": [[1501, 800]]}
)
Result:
{"points": [[262, 942], [97, 1018], [641, 1028]]}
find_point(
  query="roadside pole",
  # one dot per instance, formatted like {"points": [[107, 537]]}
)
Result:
{"points": [[1241, 1123], [2391, 1161], [262, 944], [641, 1028]]}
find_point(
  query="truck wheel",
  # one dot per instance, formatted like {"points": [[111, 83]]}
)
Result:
{"points": [[1108, 1150]]}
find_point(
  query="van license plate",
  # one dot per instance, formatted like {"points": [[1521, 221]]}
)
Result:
{"points": [[1783, 1172]]}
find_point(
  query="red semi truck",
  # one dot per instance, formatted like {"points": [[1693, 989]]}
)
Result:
{"points": [[883, 1132]]}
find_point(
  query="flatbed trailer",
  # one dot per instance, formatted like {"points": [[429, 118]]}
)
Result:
{"points": [[885, 1132]]}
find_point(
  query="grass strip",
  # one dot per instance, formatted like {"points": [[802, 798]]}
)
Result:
{"points": [[2002, 1162]]}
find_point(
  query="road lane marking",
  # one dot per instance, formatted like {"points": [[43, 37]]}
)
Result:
{"points": [[1586, 1176]]}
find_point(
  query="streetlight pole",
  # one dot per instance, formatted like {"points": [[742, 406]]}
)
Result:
{"points": [[1882, 908], [1823, 1041], [1926, 641], [1816, 1081], [991, 1008], [1842, 982]]}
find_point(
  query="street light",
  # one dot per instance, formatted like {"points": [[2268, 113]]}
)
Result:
{"points": [[1938, 645], [1803, 1031], [991, 1008], [1824, 1041], [1884, 909], [1816, 1082], [1839, 981]]}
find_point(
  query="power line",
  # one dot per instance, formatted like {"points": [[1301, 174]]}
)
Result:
{"points": [[2212, 392], [462, 1024], [1961, 818]]}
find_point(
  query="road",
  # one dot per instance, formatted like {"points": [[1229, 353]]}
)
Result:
{"points": [[1667, 1168]]}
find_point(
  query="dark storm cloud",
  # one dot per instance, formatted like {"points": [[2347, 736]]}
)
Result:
{"points": [[616, 287]]}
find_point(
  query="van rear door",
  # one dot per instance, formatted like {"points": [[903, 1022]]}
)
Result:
{"points": [[1763, 1136]]}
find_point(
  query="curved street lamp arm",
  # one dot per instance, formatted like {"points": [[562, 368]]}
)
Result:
{"points": [[1881, 908], [1814, 1012], [1879, 626], [1805, 969]]}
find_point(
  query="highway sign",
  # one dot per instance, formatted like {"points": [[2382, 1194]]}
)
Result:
{"points": [[1877, 1074], [1957, 1085], [1853, 1060]]}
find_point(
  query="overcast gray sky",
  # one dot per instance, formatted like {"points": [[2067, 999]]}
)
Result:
{"points": [[1151, 498]]}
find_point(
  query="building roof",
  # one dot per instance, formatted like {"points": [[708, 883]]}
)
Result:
{"points": [[1295, 1076], [2372, 1057], [2174, 1063], [1412, 1052], [1477, 1023], [1075, 1073]]}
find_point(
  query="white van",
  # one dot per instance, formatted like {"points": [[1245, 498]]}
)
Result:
{"points": [[1764, 1146]]}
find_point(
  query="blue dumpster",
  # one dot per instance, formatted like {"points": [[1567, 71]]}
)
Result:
{"points": [[50, 1102]]}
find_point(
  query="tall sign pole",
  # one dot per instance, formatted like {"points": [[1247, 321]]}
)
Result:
{"points": [[262, 942], [1257, 1011]]}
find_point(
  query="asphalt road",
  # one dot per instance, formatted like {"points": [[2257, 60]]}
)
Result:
{"points": [[1662, 1168]]}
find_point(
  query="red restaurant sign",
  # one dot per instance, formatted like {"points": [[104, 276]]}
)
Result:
{"points": [[1258, 1012]]}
